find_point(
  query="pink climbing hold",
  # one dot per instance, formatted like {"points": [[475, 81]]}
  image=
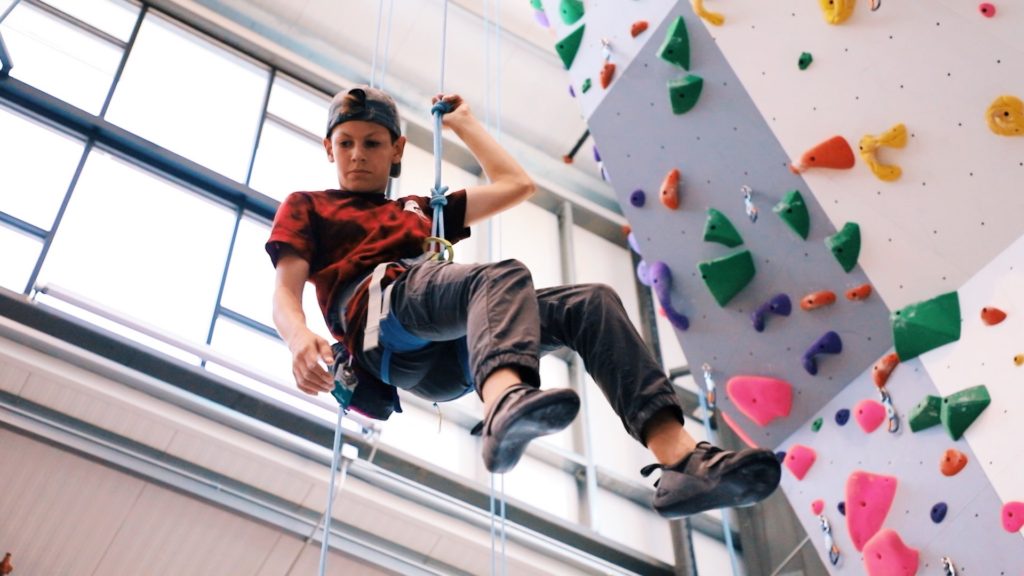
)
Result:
{"points": [[868, 499], [1013, 516], [739, 431], [987, 9], [869, 414], [817, 506], [799, 460], [760, 398], [887, 555]]}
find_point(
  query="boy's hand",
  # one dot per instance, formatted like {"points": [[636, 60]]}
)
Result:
{"points": [[308, 352], [460, 113]]}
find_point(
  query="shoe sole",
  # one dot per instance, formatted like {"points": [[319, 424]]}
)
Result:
{"points": [[746, 485], [548, 415]]}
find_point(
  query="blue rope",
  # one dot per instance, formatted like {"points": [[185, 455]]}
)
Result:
{"points": [[437, 193]]}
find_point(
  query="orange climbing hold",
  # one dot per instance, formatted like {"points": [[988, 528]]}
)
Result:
{"points": [[992, 316], [859, 293], [868, 500], [833, 153], [887, 555], [884, 367], [952, 462], [607, 73], [818, 299], [670, 189], [638, 28]]}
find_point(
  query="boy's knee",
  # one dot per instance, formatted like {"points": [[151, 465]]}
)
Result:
{"points": [[601, 293]]}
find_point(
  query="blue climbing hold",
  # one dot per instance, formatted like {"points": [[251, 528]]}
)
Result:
{"points": [[842, 508], [637, 198], [779, 304], [939, 512], [780, 456], [842, 416]]}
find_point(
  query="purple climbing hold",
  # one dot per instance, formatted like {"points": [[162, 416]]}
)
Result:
{"points": [[638, 198], [779, 304], [597, 155], [631, 239], [572, 91], [842, 416], [829, 343], [842, 508], [939, 512], [643, 273], [661, 281], [541, 18], [780, 456]]}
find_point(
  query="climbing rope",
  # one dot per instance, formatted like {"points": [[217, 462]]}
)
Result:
{"points": [[436, 243], [330, 491]]}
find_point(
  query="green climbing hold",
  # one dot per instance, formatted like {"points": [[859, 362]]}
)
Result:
{"points": [[586, 85], [537, 4], [568, 47], [793, 212], [926, 413], [676, 47], [805, 60], [961, 409], [923, 326], [571, 11], [816, 425], [718, 228], [725, 277], [684, 93], [845, 246]]}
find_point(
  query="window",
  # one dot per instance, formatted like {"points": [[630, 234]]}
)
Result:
{"points": [[113, 17], [18, 258], [529, 234], [36, 167], [299, 105], [142, 246], [191, 96], [59, 57], [287, 161]]}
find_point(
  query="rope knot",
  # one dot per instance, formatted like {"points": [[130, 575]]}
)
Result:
{"points": [[437, 198], [441, 107]]}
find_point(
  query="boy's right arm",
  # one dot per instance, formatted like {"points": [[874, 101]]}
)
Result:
{"points": [[307, 349]]}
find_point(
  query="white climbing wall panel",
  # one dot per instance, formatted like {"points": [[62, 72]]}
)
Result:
{"points": [[953, 222]]}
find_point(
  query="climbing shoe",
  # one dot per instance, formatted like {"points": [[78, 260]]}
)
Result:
{"points": [[711, 478], [521, 414]]}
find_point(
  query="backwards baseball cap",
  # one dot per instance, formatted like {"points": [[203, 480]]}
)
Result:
{"points": [[369, 105]]}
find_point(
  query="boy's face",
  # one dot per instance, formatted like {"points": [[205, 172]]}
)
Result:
{"points": [[363, 152]]}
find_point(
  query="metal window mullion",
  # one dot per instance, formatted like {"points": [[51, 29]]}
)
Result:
{"points": [[21, 225], [581, 435], [259, 129], [243, 320], [68, 18], [124, 61], [223, 278], [9, 10], [48, 241]]}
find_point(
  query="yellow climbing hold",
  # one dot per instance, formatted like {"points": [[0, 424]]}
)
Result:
{"points": [[837, 11], [1019, 359], [895, 137], [713, 18], [1006, 116]]}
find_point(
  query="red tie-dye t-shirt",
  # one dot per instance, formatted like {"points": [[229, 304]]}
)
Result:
{"points": [[344, 235]]}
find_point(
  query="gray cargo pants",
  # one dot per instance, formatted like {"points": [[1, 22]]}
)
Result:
{"points": [[494, 311]]}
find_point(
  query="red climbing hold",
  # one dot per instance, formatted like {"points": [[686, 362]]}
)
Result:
{"points": [[883, 368], [887, 555], [670, 189], [987, 9], [1013, 516], [832, 153], [799, 460], [859, 293], [953, 461], [638, 28], [818, 299], [817, 506], [868, 499], [992, 316], [760, 398], [607, 73], [869, 414]]}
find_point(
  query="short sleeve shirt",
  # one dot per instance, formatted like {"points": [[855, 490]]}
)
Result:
{"points": [[344, 235]]}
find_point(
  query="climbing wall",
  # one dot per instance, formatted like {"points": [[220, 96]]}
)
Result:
{"points": [[930, 220]]}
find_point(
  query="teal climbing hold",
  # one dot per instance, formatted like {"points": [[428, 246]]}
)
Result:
{"points": [[537, 4], [676, 47], [805, 60], [961, 409], [925, 325], [586, 85], [725, 277], [718, 228], [845, 246], [571, 11], [685, 92], [793, 212], [926, 413], [568, 47]]}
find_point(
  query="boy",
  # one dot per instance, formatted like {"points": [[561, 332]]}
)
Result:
{"points": [[447, 328]]}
